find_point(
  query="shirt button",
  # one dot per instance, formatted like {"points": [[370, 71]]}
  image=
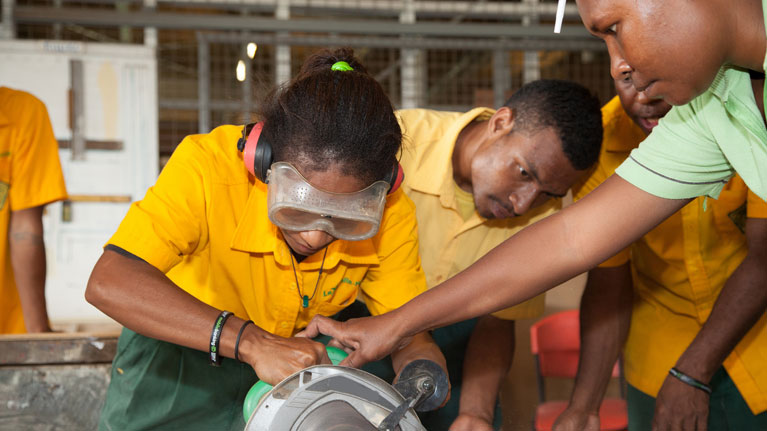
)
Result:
{"points": [[284, 325], [439, 278]]}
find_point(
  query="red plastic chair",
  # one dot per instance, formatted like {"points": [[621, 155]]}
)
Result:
{"points": [[555, 342]]}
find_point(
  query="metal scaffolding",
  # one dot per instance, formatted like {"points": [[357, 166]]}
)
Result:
{"points": [[439, 54]]}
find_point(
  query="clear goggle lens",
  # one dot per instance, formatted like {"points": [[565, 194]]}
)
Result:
{"points": [[294, 204]]}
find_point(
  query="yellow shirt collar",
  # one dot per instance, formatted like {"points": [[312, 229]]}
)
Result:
{"points": [[439, 159], [621, 133]]}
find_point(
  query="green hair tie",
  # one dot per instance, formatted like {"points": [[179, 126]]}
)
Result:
{"points": [[342, 66]]}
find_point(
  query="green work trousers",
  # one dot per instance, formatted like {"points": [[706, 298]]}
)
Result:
{"points": [[728, 410], [162, 386]]}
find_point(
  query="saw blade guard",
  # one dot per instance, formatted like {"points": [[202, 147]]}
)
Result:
{"points": [[329, 397]]}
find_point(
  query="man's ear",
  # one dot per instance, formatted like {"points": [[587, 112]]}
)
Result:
{"points": [[501, 123]]}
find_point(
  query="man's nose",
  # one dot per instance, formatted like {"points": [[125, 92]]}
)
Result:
{"points": [[522, 201], [619, 67], [642, 98], [316, 239]]}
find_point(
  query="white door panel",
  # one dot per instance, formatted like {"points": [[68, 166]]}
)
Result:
{"points": [[120, 105]]}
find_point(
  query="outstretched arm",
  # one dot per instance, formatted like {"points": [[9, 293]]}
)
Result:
{"points": [[143, 299], [27, 250], [605, 316], [539, 257], [740, 304]]}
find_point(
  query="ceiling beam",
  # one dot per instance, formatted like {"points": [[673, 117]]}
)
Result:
{"points": [[168, 20]]}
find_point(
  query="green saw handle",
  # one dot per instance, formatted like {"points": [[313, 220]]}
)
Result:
{"points": [[261, 388]]}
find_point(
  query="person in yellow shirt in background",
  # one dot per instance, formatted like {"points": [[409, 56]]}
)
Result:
{"points": [[476, 179], [652, 299], [30, 178], [256, 236]]}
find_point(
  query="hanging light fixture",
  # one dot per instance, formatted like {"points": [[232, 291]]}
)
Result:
{"points": [[560, 16], [240, 71]]}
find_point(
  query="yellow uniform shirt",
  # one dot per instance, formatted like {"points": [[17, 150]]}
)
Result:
{"points": [[204, 223], [449, 243], [30, 176], [679, 269]]}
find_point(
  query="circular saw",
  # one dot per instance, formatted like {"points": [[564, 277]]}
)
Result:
{"points": [[335, 398]]}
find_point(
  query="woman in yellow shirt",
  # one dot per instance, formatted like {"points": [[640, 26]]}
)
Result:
{"points": [[248, 234]]}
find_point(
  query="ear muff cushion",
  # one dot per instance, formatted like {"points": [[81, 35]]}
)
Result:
{"points": [[249, 153], [257, 154], [263, 160], [396, 178]]}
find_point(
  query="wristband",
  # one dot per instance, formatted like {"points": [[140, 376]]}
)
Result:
{"points": [[690, 381], [215, 338], [237, 341]]}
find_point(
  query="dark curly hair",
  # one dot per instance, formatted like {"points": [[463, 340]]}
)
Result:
{"points": [[324, 117], [569, 108]]}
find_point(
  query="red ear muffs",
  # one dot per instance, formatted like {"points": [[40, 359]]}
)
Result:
{"points": [[256, 152], [395, 178], [257, 155]]}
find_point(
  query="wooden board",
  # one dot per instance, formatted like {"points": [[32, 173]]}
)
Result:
{"points": [[31, 349]]}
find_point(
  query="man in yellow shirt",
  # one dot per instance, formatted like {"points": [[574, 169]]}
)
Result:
{"points": [[30, 178], [242, 241], [476, 179], [654, 298]]}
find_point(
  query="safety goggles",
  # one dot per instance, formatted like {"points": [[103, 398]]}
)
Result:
{"points": [[294, 204]]}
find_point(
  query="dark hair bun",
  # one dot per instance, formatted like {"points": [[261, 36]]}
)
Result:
{"points": [[326, 117], [323, 60]]}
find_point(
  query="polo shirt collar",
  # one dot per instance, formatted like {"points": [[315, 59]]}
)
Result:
{"points": [[720, 86], [621, 133], [439, 159], [727, 83], [255, 233]]}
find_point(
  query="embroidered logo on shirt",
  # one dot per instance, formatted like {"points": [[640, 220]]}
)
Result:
{"points": [[353, 283], [346, 280]]}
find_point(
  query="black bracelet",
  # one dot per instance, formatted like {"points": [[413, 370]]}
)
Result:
{"points": [[237, 341], [215, 338], [689, 380]]}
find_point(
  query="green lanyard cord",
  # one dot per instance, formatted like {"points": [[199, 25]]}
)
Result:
{"points": [[305, 299]]}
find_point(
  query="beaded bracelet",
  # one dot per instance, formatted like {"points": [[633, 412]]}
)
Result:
{"points": [[237, 341], [215, 338], [689, 380]]}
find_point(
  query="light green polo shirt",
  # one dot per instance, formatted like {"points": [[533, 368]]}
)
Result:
{"points": [[697, 147]]}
